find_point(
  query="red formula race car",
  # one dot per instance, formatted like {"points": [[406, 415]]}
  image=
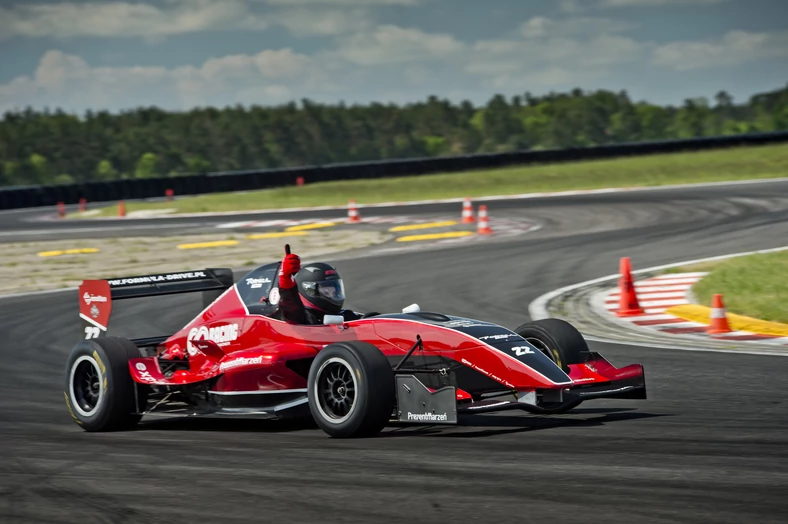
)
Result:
{"points": [[352, 377]]}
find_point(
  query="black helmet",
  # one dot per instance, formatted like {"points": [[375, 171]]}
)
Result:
{"points": [[321, 287]]}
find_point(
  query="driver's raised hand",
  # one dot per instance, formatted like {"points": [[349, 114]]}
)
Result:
{"points": [[291, 265]]}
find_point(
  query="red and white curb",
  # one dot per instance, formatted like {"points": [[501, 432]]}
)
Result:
{"points": [[657, 294]]}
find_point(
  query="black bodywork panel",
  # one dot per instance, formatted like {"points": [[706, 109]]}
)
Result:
{"points": [[417, 404], [498, 337]]}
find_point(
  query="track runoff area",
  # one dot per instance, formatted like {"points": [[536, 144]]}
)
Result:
{"points": [[707, 446], [468, 225]]}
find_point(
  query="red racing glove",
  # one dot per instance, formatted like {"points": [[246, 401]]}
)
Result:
{"points": [[290, 266]]}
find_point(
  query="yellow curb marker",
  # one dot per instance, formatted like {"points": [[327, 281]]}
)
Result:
{"points": [[259, 236], [423, 226], [217, 243], [435, 236], [702, 315], [80, 251], [316, 225]]}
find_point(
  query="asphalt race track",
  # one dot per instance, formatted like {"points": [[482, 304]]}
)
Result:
{"points": [[709, 445]]}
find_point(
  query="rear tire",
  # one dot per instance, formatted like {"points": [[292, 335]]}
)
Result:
{"points": [[561, 342], [99, 390], [351, 390]]}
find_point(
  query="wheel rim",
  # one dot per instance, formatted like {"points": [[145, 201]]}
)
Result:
{"points": [[335, 390], [541, 346], [85, 385]]}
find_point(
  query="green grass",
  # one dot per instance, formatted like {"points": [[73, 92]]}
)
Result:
{"points": [[753, 285], [654, 170]]}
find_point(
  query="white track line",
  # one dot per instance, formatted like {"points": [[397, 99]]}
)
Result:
{"points": [[655, 316], [648, 288], [679, 276], [672, 281], [650, 295], [651, 303], [93, 229]]}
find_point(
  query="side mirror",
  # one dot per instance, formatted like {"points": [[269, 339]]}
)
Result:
{"points": [[413, 308], [333, 320]]}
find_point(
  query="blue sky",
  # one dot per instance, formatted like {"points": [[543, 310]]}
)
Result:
{"points": [[177, 54]]}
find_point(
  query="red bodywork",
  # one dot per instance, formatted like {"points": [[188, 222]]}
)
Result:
{"points": [[251, 352]]}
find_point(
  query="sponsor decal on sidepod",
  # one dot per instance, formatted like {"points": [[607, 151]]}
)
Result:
{"points": [[240, 362], [219, 334]]}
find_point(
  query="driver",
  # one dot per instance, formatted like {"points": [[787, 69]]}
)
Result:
{"points": [[307, 294]]}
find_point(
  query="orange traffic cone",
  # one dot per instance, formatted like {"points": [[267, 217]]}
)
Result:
{"points": [[83, 205], [719, 318], [61, 209], [121, 209], [352, 212], [484, 225], [467, 212], [628, 304]]}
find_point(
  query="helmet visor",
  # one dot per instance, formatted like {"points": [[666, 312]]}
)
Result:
{"points": [[331, 290]]}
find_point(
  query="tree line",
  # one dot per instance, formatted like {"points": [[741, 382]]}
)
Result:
{"points": [[46, 147]]}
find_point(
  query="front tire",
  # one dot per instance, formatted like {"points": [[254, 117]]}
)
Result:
{"points": [[99, 391], [562, 343], [351, 390], [558, 339]]}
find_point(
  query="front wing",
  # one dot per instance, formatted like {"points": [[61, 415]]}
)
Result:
{"points": [[594, 379]]}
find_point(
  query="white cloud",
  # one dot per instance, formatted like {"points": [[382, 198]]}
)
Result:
{"points": [[548, 78], [655, 3], [509, 56], [321, 22], [349, 3], [125, 19], [572, 6], [541, 27], [272, 64], [579, 6], [68, 81], [390, 44], [554, 52], [736, 47]]}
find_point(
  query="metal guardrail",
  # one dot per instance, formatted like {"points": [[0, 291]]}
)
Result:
{"points": [[194, 184]]}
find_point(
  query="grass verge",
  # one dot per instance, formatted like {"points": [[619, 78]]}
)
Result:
{"points": [[654, 170], [753, 285]]}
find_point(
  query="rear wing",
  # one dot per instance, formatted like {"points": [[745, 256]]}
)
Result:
{"points": [[96, 296]]}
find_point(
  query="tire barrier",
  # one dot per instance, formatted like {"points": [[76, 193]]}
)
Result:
{"points": [[196, 184]]}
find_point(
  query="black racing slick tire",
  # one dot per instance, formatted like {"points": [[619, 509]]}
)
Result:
{"points": [[562, 343], [558, 339], [351, 390], [99, 391]]}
